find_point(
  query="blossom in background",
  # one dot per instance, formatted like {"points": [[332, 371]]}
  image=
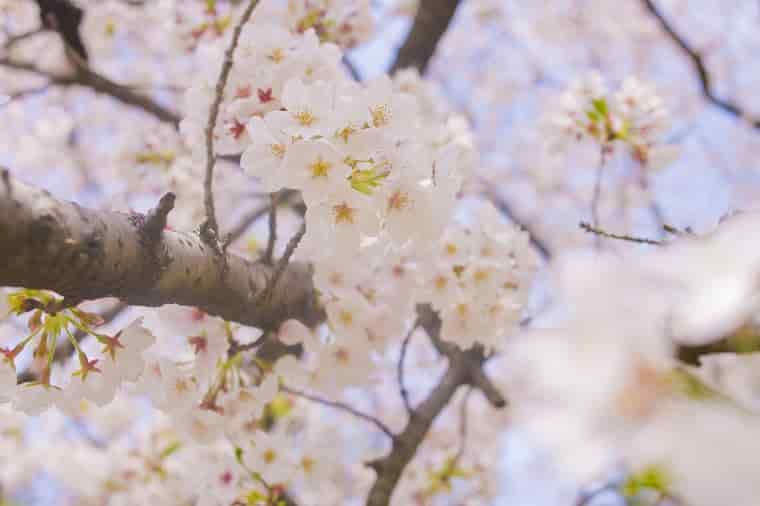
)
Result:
{"points": [[634, 116]]}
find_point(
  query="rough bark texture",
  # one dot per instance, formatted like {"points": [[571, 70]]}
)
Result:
{"points": [[87, 254], [430, 23]]}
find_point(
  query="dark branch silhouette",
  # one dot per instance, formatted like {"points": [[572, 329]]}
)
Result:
{"points": [[697, 60], [65, 18], [430, 23]]}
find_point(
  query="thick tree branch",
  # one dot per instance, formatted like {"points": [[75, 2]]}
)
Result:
{"points": [[87, 254], [430, 23], [705, 80]]}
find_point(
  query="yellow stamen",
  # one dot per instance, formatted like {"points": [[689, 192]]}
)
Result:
{"points": [[277, 150], [305, 118], [380, 116], [320, 168], [344, 213], [398, 201]]}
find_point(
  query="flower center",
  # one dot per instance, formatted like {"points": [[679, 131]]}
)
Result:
{"points": [[320, 168], [305, 118], [380, 116], [277, 55], [277, 150], [344, 213], [398, 201]]}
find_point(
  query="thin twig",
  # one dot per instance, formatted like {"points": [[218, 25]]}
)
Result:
{"points": [[252, 216], [596, 197], [20, 94], [400, 369], [15, 39], [654, 208], [272, 239], [210, 228], [676, 231], [603, 233], [343, 407], [597, 194]]}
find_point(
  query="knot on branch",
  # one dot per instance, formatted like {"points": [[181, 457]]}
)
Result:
{"points": [[155, 220], [208, 234], [150, 228]]}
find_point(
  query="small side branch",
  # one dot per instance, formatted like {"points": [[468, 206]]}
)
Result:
{"points": [[155, 221], [342, 407], [400, 369], [602, 233], [282, 197], [16, 39], [282, 263]]}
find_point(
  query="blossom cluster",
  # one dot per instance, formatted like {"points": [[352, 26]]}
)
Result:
{"points": [[479, 280], [634, 116], [379, 169], [379, 166], [119, 359]]}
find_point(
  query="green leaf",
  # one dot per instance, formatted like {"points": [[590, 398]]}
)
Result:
{"points": [[690, 385], [600, 106], [653, 477], [254, 498], [365, 181], [169, 450]]}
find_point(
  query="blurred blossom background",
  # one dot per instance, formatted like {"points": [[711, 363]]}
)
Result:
{"points": [[639, 118]]}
